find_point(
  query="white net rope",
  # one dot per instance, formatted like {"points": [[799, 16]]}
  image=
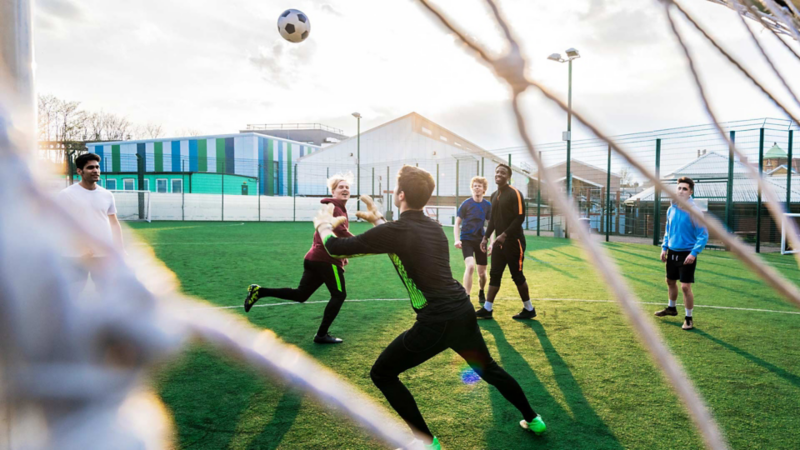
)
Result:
{"points": [[73, 367]]}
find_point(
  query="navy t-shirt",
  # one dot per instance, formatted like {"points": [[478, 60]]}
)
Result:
{"points": [[473, 217]]}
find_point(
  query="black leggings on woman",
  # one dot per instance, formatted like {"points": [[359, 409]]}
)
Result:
{"points": [[426, 340], [315, 273]]}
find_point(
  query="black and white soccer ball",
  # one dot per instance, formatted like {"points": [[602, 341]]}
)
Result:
{"points": [[294, 25]]}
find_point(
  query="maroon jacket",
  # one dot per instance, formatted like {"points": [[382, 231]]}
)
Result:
{"points": [[317, 251]]}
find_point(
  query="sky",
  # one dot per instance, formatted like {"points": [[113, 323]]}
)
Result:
{"points": [[214, 66]]}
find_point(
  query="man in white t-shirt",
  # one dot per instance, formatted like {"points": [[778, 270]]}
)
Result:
{"points": [[94, 209]]}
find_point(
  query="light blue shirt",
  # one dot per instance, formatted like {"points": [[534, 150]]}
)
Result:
{"points": [[682, 234]]}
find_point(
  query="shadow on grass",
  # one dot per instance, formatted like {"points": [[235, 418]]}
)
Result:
{"points": [[282, 420], [553, 266], [579, 428], [783, 373]]}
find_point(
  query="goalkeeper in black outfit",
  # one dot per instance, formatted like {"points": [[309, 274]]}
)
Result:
{"points": [[420, 252], [508, 213]]}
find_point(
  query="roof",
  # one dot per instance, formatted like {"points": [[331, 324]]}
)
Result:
{"points": [[781, 167], [775, 152], [745, 190], [198, 138], [710, 165], [468, 147]]}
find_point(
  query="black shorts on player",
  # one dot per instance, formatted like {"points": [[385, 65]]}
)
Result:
{"points": [[511, 254], [677, 270], [473, 249]]}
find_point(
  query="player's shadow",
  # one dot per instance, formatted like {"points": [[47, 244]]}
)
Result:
{"points": [[552, 267], [567, 255], [783, 373], [566, 429], [282, 420]]}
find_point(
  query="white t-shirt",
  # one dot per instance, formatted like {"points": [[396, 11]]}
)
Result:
{"points": [[91, 210]]}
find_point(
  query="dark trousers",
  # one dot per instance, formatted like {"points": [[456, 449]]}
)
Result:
{"points": [[511, 254], [426, 340], [315, 273]]}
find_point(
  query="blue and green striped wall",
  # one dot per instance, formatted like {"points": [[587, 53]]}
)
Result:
{"points": [[247, 154]]}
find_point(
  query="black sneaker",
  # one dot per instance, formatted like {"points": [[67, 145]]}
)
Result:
{"points": [[688, 324], [483, 313], [481, 298], [327, 339], [525, 314], [668, 311], [252, 297]]}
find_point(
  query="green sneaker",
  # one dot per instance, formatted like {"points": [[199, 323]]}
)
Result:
{"points": [[252, 297], [416, 444], [537, 425]]}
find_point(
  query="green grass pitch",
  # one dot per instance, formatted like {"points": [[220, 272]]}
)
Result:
{"points": [[579, 363]]}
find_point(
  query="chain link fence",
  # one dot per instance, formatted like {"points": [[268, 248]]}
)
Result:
{"points": [[610, 195]]}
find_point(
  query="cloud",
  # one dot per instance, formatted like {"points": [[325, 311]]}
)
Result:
{"points": [[64, 9], [330, 9], [283, 61]]}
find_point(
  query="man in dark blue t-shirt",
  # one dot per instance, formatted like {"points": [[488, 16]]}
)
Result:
{"points": [[468, 232]]}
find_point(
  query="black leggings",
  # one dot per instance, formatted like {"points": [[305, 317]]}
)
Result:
{"points": [[315, 273], [424, 341]]}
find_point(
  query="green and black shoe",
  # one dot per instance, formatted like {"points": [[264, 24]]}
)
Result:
{"points": [[252, 297], [536, 425]]}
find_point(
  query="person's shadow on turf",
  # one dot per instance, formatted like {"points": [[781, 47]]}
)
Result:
{"points": [[565, 429], [783, 373]]}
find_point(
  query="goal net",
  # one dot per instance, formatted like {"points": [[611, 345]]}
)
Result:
{"points": [[132, 205], [786, 248], [445, 215]]}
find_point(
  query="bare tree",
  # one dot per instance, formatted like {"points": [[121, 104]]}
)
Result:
{"points": [[189, 132], [625, 177], [153, 131]]}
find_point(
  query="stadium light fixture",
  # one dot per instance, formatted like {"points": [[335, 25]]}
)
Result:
{"points": [[572, 53], [358, 161]]}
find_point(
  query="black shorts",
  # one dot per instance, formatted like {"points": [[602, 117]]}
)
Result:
{"points": [[511, 255], [677, 270], [473, 248]]}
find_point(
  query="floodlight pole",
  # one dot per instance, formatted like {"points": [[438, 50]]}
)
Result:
{"points": [[358, 159]]}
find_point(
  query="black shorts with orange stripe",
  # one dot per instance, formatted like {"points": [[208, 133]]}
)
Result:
{"points": [[510, 254]]}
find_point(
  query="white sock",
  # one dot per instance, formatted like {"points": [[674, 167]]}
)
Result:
{"points": [[672, 303], [528, 305], [487, 306], [689, 312]]}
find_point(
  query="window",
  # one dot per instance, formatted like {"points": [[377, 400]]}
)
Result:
{"points": [[111, 184], [177, 186], [146, 184], [128, 184], [161, 185]]}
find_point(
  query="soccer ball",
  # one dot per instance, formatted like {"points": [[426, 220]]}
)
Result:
{"points": [[293, 25]]}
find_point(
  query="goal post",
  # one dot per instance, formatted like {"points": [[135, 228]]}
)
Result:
{"points": [[786, 249], [445, 215], [132, 205]]}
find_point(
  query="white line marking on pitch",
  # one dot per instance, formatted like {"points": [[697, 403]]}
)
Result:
{"points": [[577, 300]]}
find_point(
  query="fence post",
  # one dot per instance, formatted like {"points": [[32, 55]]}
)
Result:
{"points": [[388, 195], [183, 190], [294, 196], [539, 199], [483, 166], [437, 191], [729, 191], [657, 198], [373, 181], [789, 173], [258, 191], [140, 169], [457, 185], [609, 210], [758, 202], [223, 192]]}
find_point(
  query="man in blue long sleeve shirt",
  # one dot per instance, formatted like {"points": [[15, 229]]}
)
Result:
{"points": [[683, 241]]}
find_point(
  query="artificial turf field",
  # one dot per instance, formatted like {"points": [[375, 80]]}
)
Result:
{"points": [[579, 362]]}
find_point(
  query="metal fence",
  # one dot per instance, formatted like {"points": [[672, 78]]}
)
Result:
{"points": [[610, 195]]}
